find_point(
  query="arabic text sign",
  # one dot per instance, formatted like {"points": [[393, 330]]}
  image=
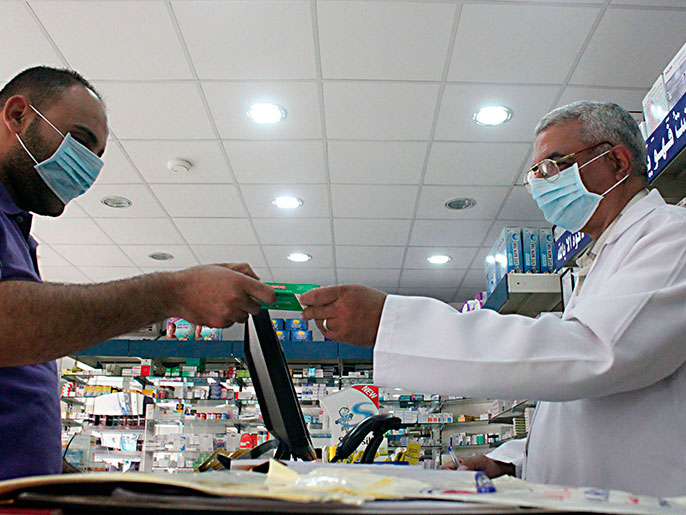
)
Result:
{"points": [[667, 140], [568, 246]]}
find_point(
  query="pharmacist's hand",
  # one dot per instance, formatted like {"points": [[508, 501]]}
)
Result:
{"points": [[351, 312], [219, 295], [490, 467]]}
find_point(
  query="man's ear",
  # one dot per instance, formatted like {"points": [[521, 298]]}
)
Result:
{"points": [[621, 156], [16, 114]]}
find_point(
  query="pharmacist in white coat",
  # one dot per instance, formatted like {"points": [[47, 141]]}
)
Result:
{"points": [[610, 373]]}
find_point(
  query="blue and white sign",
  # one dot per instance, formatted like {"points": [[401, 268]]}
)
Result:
{"points": [[569, 245], [667, 140]]}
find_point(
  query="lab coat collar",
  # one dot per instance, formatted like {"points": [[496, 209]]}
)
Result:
{"points": [[635, 212]]}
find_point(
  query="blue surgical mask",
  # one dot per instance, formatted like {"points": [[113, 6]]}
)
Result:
{"points": [[71, 170], [566, 202]]}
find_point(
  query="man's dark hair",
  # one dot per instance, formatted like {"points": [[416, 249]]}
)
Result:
{"points": [[43, 85]]}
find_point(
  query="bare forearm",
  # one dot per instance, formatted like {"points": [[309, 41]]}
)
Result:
{"points": [[43, 321]]}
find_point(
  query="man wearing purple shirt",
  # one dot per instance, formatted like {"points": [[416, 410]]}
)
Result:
{"points": [[52, 134]]}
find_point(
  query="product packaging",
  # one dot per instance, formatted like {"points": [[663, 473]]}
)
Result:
{"points": [[655, 106], [675, 78], [288, 296], [283, 335], [301, 336], [489, 266], [508, 252], [546, 245], [279, 324], [180, 329], [296, 324], [530, 246]]}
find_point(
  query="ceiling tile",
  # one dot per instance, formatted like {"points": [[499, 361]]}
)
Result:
{"points": [[207, 161], [372, 277], [461, 257], [230, 102], [321, 276], [322, 257], [631, 47], [68, 230], [369, 257], [488, 202], [650, 3], [399, 40], [210, 254], [480, 257], [117, 169], [520, 206], [140, 230], [461, 101], [73, 210], [101, 274], [388, 201], [143, 203], [629, 99], [492, 47], [259, 200], [48, 257], [294, 231], [63, 274], [444, 278], [139, 254], [200, 200], [465, 293], [248, 39], [475, 280], [475, 163], [213, 231], [371, 232], [133, 40], [376, 162], [277, 162], [449, 233], [379, 110], [25, 34], [160, 110], [93, 255], [498, 226], [442, 294]]}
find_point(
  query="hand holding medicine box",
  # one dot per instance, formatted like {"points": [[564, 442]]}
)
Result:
{"points": [[288, 296]]}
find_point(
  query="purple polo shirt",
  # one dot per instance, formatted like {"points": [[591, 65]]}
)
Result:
{"points": [[30, 439]]}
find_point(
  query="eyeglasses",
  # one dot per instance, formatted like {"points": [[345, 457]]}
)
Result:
{"points": [[549, 169]]}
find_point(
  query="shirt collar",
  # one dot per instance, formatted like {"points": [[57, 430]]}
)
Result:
{"points": [[7, 204], [608, 235]]}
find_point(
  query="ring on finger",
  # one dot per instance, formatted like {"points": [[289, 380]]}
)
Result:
{"points": [[326, 327]]}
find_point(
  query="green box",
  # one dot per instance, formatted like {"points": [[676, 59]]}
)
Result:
{"points": [[196, 362], [288, 295], [242, 373]]}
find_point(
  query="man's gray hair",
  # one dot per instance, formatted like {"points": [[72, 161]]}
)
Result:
{"points": [[601, 121]]}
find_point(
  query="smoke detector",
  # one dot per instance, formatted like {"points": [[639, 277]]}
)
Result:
{"points": [[179, 165]]}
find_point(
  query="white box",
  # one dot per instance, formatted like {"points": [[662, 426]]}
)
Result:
{"points": [[675, 78], [655, 106]]}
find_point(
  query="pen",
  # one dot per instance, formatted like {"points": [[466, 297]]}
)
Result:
{"points": [[452, 455]]}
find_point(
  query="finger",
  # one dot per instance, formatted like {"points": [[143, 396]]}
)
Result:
{"points": [[260, 291], [320, 296], [243, 268], [449, 466], [249, 305], [321, 312]]}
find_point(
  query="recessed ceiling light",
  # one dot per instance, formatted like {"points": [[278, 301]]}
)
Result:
{"points": [[266, 113], [460, 203], [439, 259], [116, 202], [287, 202], [298, 257], [161, 256], [492, 115]]}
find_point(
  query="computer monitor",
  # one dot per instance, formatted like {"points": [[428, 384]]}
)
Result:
{"points": [[274, 388]]}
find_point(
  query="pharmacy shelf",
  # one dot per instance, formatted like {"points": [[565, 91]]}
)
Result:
{"points": [[526, 294], [74, 400], [507, 415], [499, 443], [118, 351]]}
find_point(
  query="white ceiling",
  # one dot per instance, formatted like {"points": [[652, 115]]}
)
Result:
{"points": [[380, 96]]}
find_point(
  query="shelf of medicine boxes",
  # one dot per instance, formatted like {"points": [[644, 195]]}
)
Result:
{"points": [[666, 152], [507, 415], [121, 351], [526, 294]]}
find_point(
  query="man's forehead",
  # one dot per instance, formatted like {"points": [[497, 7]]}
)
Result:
{"points": [[559, 139]]}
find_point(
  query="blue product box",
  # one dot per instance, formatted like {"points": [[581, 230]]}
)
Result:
{"points": [[301, 336], [546, 244], [283, 335], [296, 324], [489, 267], [530, 249], [279, 324], [508, 252]]}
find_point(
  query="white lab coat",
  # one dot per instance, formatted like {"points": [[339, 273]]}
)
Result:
{"points": [[611, 371]]}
